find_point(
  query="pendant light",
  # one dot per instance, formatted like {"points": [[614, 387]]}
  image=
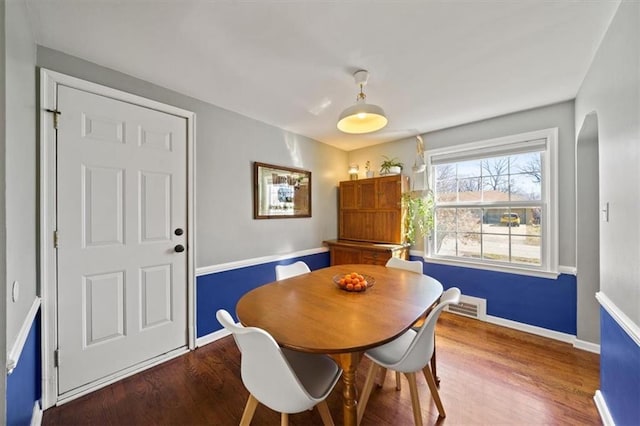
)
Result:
{"points": [[362, 117]]}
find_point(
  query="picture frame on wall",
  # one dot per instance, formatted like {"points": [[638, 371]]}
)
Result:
{"points": [[280, 192]]}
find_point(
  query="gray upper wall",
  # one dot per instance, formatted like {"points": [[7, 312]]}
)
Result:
{"points": [[559, 115], [611, 90], [3, 222], [20, 168], [226, 145]]}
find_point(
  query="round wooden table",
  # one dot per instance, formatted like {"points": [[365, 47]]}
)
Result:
{"points": [[309, 313]]}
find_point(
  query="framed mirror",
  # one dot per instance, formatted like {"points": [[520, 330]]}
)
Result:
{"points": [[280, 192]]}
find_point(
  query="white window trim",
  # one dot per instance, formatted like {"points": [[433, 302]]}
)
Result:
{"points": [[549, 268]]}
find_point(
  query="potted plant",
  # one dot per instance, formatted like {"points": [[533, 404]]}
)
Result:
{"points": [[390, 166], [417, 215], [367, 167]]}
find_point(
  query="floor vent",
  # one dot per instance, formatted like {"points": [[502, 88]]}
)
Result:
{"points": [[469, 306]]}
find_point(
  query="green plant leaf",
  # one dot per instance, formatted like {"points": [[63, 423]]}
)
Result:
{"points": [[418, 213]]}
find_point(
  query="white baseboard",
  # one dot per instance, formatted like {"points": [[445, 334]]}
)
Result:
{"points": [[36, 415], [587, 346], [205, 270], [544, 332], [212, 337], [603, 409], [556, 335]]}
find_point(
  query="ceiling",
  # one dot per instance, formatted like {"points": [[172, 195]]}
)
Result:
{"points": [[432, 64]]}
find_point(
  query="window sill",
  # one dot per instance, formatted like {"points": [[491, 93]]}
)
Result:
{"points": [[490, 267]]}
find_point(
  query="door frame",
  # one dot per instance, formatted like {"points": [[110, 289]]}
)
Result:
{"points": [[49, 81]]}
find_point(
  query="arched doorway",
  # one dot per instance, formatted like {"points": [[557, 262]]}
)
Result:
{"points": [[588, 230]]}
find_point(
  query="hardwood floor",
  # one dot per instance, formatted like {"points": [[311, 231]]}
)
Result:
{"points": [[490, 375]]}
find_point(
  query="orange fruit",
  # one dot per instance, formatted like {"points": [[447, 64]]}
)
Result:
{"points": [[357, 287], [342, 281], [360, 277], [350, 287]]}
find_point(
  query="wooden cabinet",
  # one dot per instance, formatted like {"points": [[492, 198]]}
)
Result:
{"points": [[370, 221], [370, 209], [348, 195], [345, 252]]}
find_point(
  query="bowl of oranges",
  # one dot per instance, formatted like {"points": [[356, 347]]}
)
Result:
{"points": [[353, 281]]}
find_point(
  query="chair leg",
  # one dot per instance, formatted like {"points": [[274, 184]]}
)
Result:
{"points": [[433, 363], [382, 376], [415, 401], [284, 419], [249, 410], [434, 390], [366, 390], [398, 387], [325, 414]]}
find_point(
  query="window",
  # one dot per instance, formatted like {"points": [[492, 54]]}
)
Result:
{"points": [[495, 203]]}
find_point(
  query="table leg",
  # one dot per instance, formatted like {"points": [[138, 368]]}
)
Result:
{"points": [[349, 364]]}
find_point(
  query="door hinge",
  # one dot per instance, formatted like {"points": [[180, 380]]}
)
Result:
{"points": [[56, 358], [56, 115], [55, 239]]}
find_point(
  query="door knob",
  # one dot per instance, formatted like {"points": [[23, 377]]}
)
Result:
{"points": [[179, 248], [178, 231]]}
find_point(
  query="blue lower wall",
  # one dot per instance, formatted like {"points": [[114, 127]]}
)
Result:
{"points": [[24, 384], [542, 302], [222, 290], [619, 372]]}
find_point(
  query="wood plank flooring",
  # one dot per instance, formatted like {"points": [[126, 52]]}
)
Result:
{"points": [[490, 375]]}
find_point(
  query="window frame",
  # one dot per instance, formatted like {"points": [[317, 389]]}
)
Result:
{"points": [[508, 145]]}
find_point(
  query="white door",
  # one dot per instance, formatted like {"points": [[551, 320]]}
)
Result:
{"points": [[122, 213]]}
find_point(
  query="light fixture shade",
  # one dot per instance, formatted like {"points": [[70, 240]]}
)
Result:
{"points": [[362, 118]]}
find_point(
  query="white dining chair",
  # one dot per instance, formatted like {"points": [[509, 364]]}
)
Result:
{"points": [[407, 265], [291, 270], [284, 380], [408, 354]]}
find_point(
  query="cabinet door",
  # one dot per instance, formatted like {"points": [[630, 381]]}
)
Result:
{"points": [[344, 255], [389, 192], [367, 194], [348, 195], [357, 225], [387, 227]]}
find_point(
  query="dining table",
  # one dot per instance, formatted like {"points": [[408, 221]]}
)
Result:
{"points": [[312, 313]]}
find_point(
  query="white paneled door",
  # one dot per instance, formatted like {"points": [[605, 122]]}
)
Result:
{"points": [[122, 216]]}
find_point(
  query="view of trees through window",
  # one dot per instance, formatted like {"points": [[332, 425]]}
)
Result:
{"points": [[490, 209]]}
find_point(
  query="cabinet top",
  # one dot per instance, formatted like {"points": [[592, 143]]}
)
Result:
{"points": [[387, 177]]}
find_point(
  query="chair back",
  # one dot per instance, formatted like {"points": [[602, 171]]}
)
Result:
{"points": [[420, 350], [265, 371], [291, 270], [408, 265]]}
